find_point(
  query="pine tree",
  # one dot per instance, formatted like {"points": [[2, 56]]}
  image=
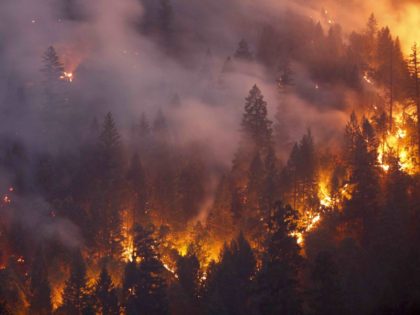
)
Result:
{"points": [[243, 52], [53, 69], [40, 297], [370, 40], [109, 144], [302, 168], [326, 294], [414, 67], [229, 283], [270, 187], [220, 220], [255, 207], [364, 177], [53, 84], [75, 293], [256, 126], [385, 70], [160, 126], [151, 286], [228, 68], [129, 288], [109, 188], [188, 271], [277, 281], [283, 114], [141, 132], [105, 294]]}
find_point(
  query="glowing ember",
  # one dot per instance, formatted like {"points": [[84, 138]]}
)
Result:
{"points": [[366, 78], [311, 224], [6, 199], [167, 267], [67, 76]]}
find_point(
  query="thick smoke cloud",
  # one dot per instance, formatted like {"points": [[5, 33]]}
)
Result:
{"points": [[118, 69], [129, 73]]}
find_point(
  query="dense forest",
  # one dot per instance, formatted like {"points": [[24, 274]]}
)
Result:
{"points": [[270, 170]]}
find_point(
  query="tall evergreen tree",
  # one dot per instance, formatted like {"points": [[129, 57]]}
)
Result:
{"points": [[302, 172], [362, 159], [243, 52], [75, 295], [129, 288], [220, 221], [40, 295], [277, 281], [53, 71], [53, 85], [109, 188], [188, 271], [414, 67], [106, 295], [230, 282], [255, 124], [150, 290], [326, 294]]}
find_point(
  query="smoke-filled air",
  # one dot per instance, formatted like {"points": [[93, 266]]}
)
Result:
{"points": [[212, 157]]}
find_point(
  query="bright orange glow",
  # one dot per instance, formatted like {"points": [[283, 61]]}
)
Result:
{"points": [[67, 76], [398, 144]]}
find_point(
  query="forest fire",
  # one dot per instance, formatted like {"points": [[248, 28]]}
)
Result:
{"points": [[399, 143], [312, 220], [141, 175], [325, 198], [67, 76]]}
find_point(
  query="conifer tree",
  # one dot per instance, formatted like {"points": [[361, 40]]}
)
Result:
{"points": [[256, 126], [40, 297], [75, 295], [129, 287], [362, 159], [277, 281], [188, 271], [53, 85], [302, 168], [243, 52], [326, 294], [105, 294], [229, 283], [109, 188], [220, 220], [151, 286], [370, 40], [160, 126], [255, 206], [414, 68], [109, 144]]}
